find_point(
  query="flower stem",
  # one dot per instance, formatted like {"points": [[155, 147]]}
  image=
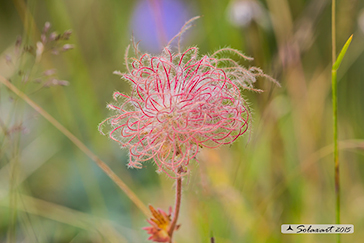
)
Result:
{"points": [[176, 208]]}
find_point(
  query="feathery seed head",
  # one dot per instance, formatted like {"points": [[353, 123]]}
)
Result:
{"points": [[179, 103]]}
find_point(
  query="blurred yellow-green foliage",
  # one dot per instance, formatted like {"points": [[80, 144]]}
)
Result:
{"points": [[282, 172]]}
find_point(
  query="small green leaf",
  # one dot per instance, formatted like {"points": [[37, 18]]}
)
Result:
{"points": [[342, 54]]}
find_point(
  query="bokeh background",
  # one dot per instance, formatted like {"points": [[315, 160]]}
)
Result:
{"points": [[281, 172]]}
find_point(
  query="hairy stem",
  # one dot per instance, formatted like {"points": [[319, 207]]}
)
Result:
{"points": [[176, 208]]}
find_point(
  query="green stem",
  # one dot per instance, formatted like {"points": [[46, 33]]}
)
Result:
{"points": [[334, 108], [335, 67], [336, 151], [333, 30]]}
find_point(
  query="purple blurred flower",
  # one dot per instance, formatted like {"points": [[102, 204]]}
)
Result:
{"points": [[157, 21]]}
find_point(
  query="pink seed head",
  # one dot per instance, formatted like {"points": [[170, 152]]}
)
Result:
{"points": [[178, 104]]}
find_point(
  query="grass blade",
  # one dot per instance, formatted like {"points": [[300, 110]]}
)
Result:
{"points": [[342, 54]]}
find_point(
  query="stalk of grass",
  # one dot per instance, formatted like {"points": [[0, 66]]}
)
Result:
{"points": [[80, 145], [334, 111], [333, 30], [32, 32], [14, 174], [335, 67]]}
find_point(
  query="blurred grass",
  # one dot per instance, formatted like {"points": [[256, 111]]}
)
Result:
{"points": [[240, 194]]}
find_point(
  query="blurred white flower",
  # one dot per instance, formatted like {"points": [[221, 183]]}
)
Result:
{"points": [[39, 51], [361, 21], [241, 13]]}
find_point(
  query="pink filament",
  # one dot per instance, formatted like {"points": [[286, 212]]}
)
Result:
{"points": [[178, 104]]}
